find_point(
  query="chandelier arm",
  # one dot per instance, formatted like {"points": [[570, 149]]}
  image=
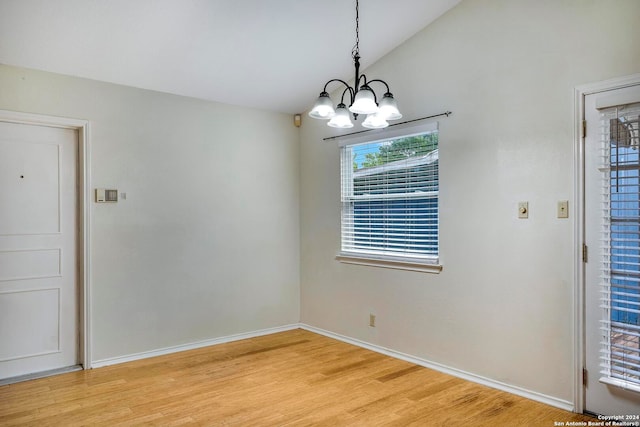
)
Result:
{"points": [[381, 81], [351, 95], [336, 80]]}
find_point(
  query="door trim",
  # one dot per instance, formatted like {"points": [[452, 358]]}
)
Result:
{"points": [[84, 216], [579, 329]]}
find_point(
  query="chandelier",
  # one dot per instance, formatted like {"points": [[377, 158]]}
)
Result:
{"points": [[362, 99]]}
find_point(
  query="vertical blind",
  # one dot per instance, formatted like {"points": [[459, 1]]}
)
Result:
{"points": [[620, 274], [389, 197]]}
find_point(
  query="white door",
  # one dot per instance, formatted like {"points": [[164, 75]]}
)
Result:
{"points": [[612, 270], [38, 271]]}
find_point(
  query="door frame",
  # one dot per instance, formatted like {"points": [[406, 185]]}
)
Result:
{"points": [[579, 327], [83, 193]]}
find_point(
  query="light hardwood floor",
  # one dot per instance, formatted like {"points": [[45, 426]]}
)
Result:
{"points": [[294, 378]]}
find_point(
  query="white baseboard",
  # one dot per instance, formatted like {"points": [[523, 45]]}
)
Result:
{"points": [[539, 397], [191, 346]]}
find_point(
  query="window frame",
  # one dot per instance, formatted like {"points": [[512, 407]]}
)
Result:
{"points": [[428, 263]]}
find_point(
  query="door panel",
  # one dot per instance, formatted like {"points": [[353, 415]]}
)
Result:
{"points": [[30, 264], [41, 326], [612, 224], [38, 258], [29, 175]]}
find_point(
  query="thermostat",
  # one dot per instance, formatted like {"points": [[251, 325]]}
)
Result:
{"points": [[106, 196]]}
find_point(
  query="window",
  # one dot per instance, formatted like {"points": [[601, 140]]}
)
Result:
{"points": [[389, 196], [621, 238]]}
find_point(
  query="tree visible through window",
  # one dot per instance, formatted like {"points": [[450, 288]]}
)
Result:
{"points": [[390, 198]]}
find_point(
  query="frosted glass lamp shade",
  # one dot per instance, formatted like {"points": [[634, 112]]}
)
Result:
{"points": [[323, 108], [365, 102], [375, 121], [389, 108], [341, 119]]}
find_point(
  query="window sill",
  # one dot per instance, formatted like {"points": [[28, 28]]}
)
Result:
{"points": [[625, 385], [398, 264]]}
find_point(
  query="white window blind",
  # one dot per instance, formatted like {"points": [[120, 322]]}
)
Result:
{"points": [[389, 197], [620, 285]]}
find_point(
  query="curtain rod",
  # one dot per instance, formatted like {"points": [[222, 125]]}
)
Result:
{"points": [[446, 113]]}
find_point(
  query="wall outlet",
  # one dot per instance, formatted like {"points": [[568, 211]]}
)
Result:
{"points": [[372, 320]]}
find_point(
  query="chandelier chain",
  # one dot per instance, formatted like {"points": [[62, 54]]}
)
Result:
{"points": [[355, 52]]}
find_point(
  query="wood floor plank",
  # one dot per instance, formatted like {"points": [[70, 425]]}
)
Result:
{"points": [[294, 378]]}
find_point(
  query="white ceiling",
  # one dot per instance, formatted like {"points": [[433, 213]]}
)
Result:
{"points": [[269, 54]]}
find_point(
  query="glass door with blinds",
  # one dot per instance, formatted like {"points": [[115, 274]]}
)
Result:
{"points": [[612, 274]]}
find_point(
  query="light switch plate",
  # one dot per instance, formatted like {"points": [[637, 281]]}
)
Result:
{"points": [[563, 209], [523, 210]]}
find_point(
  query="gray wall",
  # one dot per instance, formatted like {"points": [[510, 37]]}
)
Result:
{"points": [[207, 242], [502, 306]]}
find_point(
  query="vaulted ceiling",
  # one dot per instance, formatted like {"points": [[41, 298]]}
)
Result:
{"points": [[268, 54]]}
